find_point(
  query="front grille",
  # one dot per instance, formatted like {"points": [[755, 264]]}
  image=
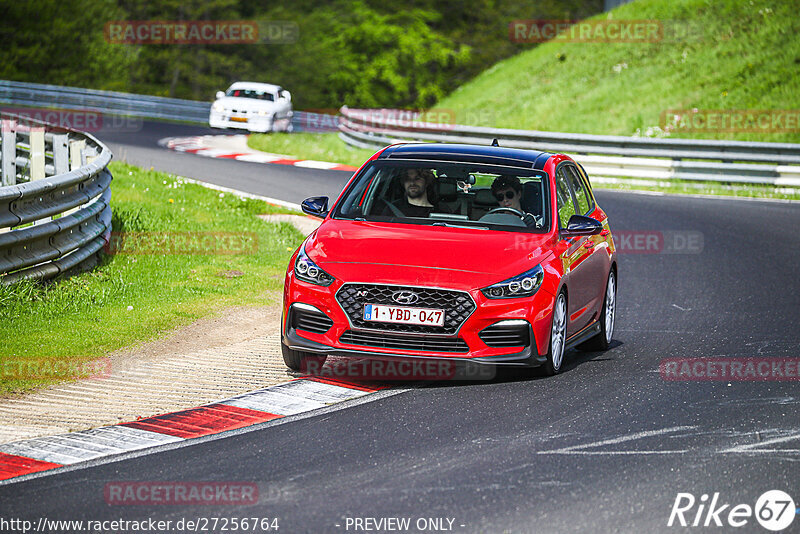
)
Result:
{"points": [[400, 342], [310, 321], [458, 305], [506, 335]]}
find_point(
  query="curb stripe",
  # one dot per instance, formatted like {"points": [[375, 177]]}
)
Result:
{"points": [[343, 383], [72, 448], [194, 145], [257, 158], [12, 466], [321, 392], [275, 402], [202, 421]]}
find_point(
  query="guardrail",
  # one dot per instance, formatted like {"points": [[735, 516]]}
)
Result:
{"points": [[55, 212], [115, 103], [106, 102], [606, 156]]}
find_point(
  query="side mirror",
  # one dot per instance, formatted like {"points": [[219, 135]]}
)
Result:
{"points": [[581, 225], [316, 206], [220, 94]]}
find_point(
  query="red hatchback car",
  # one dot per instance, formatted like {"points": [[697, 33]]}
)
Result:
{"points": [[454, 252]]}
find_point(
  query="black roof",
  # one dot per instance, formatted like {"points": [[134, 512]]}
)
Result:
{"points": [[511, 157]]}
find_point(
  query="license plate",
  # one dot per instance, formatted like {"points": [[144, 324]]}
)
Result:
{"points": [[238, 119], [403, 315]]}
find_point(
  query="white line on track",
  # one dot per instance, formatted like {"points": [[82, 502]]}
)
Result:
{"points": [[576, 449], [755, 447]]}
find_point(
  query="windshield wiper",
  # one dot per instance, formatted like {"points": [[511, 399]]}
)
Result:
{"points": [[460, 226]]}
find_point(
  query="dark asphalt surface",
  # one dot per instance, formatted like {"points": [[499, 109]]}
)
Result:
{"points": [[604, 447], [284, 182]]}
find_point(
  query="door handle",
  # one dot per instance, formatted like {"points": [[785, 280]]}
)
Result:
{"points": [[589, 244]]}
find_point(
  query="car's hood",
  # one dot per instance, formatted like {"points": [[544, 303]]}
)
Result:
{"points": [[245, 104], [423, 255]]}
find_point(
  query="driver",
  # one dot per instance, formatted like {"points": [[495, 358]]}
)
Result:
{"points": [[508, 191], [416, 185]]}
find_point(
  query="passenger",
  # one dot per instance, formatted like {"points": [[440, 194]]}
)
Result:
{"points": [[415, 202], [508, 191]]}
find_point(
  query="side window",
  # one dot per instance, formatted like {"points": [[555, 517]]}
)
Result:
{"points": [[566, 208], [581, 195]]}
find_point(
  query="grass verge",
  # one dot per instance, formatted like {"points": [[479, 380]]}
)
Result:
{"points": [[683, 187], [736, 56], [152, 284], [316, 146]]}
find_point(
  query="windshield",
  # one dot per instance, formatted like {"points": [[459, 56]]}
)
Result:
{"points": [[251, 93], [451, 194]]}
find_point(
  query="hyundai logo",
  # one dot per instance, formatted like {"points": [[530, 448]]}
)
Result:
{"points": [[405, 297]]}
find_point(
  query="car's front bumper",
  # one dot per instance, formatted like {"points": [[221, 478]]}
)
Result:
{"points": [[527, 357], [253, 124], [536, 311]]}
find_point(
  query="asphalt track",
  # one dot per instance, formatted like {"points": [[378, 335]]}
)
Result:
{"points": [[604, 447], [293, 184]]}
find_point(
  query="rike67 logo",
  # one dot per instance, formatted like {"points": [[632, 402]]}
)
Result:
{"points": [[774, 510]]}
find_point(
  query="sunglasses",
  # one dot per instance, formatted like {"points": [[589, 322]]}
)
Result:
{"points": [[508, 195]]}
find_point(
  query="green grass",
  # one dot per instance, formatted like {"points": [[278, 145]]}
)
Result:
{"points": [[748, 57], [320, 147], [740, 55], [85, 317], [682, 187]]}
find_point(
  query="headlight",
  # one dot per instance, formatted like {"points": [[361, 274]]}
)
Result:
{"points": [[308, 271], [218, 107], [523, 285]]}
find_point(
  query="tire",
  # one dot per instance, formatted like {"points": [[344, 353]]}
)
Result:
{"points": [[607, 318], [304, 362], [558, 337]]}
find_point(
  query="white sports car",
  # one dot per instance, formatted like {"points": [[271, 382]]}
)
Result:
{"points": [[258, 107]]}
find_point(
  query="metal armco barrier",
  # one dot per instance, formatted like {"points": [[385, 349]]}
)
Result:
{"points": [[606, 156], [55, 212], [106, 102], [112, 103]]}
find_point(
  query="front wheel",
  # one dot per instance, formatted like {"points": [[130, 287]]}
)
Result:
{"points": [[607, 318], [558, 336], [304, 362]]}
